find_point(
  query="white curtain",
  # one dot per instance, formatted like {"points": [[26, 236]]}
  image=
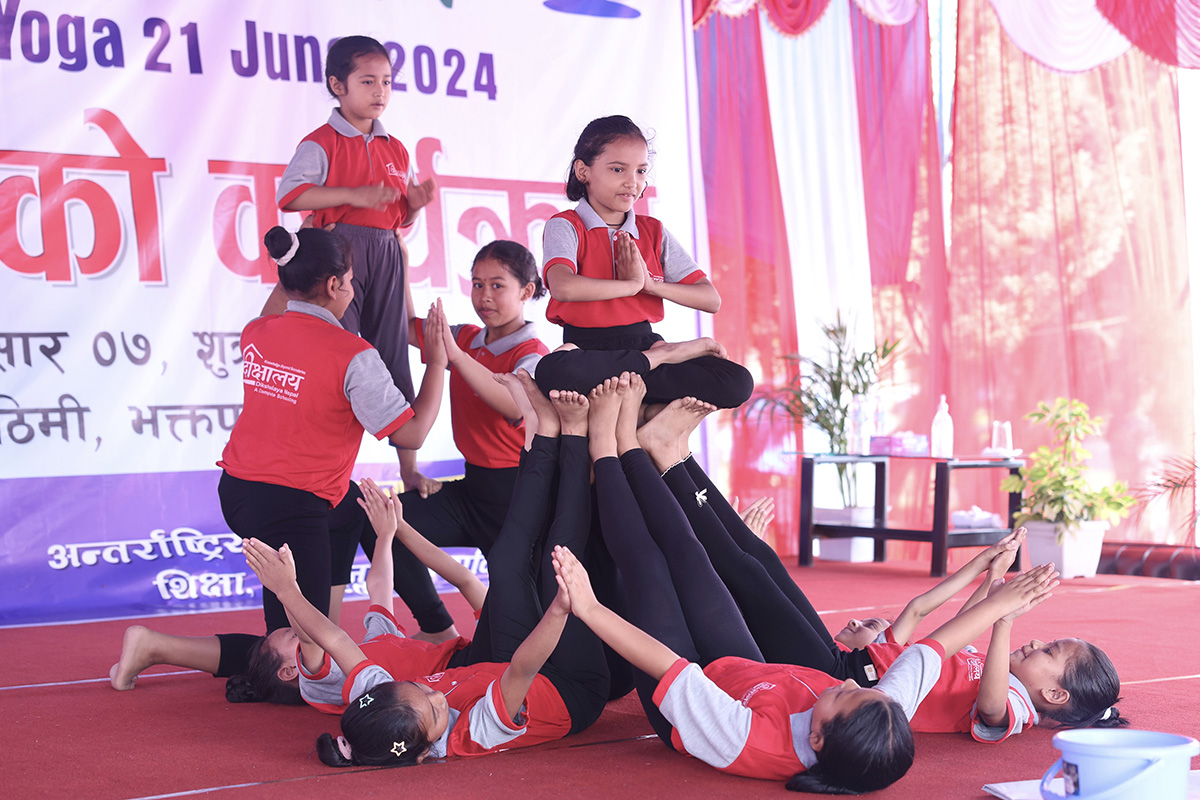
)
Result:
{"points": [[814, 119], [1066, 35]]}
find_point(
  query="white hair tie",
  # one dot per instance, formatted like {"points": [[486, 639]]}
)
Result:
{"points": [[286, 257], [1108, 712], [344, 746]]}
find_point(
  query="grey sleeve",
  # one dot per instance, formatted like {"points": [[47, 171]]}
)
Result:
{"points": [[559, 241], [309, 164], [528, 363], [375, 399], [378, 624], [911, 676], [677, 263]]}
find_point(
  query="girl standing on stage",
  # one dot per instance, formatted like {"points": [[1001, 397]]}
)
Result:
{"points": [[608, 271], [527, 677], [486, 422], [311, 388], [353, 175]]}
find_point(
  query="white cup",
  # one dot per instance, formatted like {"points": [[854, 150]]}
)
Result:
{"points": [[1002, 437]]}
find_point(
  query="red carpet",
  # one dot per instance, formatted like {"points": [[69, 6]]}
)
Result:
{"points": [[174, 735]]}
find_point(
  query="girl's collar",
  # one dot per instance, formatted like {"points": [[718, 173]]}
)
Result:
{"points": [[592, 220], [312, 309], [339, 124]]}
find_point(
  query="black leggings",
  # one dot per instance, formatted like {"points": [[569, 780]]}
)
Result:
{"points": [[279, 515], [783, 622], [465, 513], [522, 581], [607, 352], [726, 601], [671, 589]]}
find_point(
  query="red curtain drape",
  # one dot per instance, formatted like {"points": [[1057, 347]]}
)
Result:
{"points": [[1168, 30], [1070, 259], [902, 188], [790, 17], [793, 17], [750, 264]]}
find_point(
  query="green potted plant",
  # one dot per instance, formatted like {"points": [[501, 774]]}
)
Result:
{"points": [[823, 392], [1065, 514]]}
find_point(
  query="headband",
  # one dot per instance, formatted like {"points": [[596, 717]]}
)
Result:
{"points": [[286, 257]]}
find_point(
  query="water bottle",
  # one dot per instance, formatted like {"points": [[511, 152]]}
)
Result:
{"points": [[941, 435], [854, 436]]}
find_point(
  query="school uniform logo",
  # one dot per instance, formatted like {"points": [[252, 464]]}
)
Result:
{"points": [[755, 689], [264, 376]]}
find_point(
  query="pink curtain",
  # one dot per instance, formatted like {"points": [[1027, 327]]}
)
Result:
{"points": [[793, 17], [1070, 258], [902, 187], [1167, 30], [748, 248]]}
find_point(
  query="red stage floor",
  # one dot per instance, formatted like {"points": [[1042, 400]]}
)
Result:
{"points": [[71, 735]]}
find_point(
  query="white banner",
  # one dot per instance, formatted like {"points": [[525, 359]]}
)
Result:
{"points": [[140, 148]]}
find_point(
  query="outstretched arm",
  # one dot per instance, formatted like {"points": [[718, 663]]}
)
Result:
{"points": [[383, 510], [992, 701], [277, 571], [441, 562], [996, 569], [632, 643], [532, 653], [1021, 593], [924, 604]]}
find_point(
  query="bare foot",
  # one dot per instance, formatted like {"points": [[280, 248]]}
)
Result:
{"points": [[632, 389], [572, 408], [665, 438], [676, 352], [136, 656], [436, 638], [605, 405]]}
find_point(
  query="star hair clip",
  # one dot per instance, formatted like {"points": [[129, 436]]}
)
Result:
{"points": [[399, 749], [365, 701]]}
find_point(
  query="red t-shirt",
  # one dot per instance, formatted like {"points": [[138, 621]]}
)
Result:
{"points": [[595, 259], [481, 433], [298, 427]]}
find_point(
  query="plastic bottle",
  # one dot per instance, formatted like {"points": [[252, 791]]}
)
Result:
{"points": [[854, 436], [941, 436]]}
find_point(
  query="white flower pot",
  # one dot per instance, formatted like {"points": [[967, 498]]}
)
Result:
{"points": [[1076, 557], [856, 549]]}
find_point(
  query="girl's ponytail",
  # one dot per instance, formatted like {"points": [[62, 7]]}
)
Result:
{"points": [[307, 258], [1111, 718], [330, 753]]}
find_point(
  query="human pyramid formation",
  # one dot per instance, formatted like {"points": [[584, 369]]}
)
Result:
{"points": [[664, 588]]}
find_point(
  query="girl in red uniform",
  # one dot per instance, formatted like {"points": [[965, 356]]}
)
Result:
{"points": [[739, 714], [486, 422], [528, 676], [609, 270], [358, 181], [997, 695], [311, 389]]}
